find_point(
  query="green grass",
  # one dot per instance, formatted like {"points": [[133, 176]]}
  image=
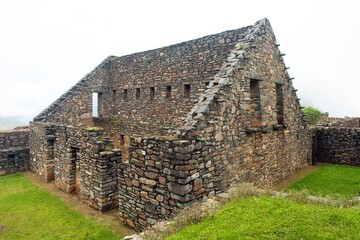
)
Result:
{"points": [[267, 217], [28, 212], [331, 179]]}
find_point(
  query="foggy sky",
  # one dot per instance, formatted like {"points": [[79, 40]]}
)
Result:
{"points": [[47, 46]]}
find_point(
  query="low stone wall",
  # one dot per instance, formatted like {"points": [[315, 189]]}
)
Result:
{"points": [[42, 138], [349, 122], [338, 145], [14, 151], [81, 161], [163, 175], [87, 164]]}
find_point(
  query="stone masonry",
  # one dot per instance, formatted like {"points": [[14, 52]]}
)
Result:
{"points": [[174, 126], [14, 151], [338, 145], [348, 122]]}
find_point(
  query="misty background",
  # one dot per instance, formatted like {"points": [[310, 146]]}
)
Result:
{"points": [[47, 46]]}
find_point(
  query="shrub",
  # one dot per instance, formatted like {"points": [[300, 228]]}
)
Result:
{"points": [[312, 115]]}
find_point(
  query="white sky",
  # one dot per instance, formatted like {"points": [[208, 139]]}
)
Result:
{"points": [[47, 46]]}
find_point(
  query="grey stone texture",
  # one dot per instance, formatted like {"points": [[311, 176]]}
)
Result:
{"points": [[14, 151], [80, 161], [176, 125], [338, 145], [347, 122]]}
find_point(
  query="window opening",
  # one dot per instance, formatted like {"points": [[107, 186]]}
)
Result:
{"points": [[279, 104], [125, 94], [255, 103], [152, 93], [137, 93], [95, 104], [168, 92], [186, 90]]}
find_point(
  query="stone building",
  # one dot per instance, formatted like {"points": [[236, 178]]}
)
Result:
{"points": [[156, 131]]}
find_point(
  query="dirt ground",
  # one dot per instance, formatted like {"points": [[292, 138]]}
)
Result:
{"points": [[295, 177], [110, 219]]}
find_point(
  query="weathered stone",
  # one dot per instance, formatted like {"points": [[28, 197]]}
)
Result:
{"points": [[151, 175], [162, 180], [128, 182], [219, 137], [197, 184], [144, 194], [130, 223], [133, 237], [148, 181], [159, 198], [180, 189], [154, 202]]}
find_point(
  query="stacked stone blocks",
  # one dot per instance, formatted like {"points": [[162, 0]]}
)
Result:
{"points": [[14, 151]]}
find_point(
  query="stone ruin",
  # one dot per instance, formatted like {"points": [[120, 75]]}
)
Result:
{"points": [[14, 150], [337, 140], [153, 132]]}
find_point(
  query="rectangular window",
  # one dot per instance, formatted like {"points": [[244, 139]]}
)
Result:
{"points": [[186, 90], [125, 94], [95, 102], [168, 92], [152, 93], [255, 103], [279, 104], [122, 139], [137, 93], [114, 92]]}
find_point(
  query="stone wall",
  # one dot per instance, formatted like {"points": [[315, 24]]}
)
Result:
{"points": [[14, 151], [42, 139], [194, 63], [161, 176], [81, 161], [347, 122], [74, 107], [217, 143], [264, 153], [232, 115], [338, 145]]}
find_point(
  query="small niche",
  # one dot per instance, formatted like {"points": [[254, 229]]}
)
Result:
{"points": [[168, 92], [11, 156], [125, 94], [255, 103], [279, 104], [152, 93], [137, 93], [187, 90]]}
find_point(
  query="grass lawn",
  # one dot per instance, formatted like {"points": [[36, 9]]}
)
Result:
{"points": [[267, 217], [28, 212], [331, 179]]}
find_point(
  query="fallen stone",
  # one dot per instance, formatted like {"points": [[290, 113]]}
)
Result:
{"points": [[133, 237]]}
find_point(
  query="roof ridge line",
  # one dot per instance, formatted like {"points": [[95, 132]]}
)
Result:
{"points": [[220, 80], [43, 114]]}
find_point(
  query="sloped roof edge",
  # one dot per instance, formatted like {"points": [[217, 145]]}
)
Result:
{"points": [[47, 111], [200, 110]]}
